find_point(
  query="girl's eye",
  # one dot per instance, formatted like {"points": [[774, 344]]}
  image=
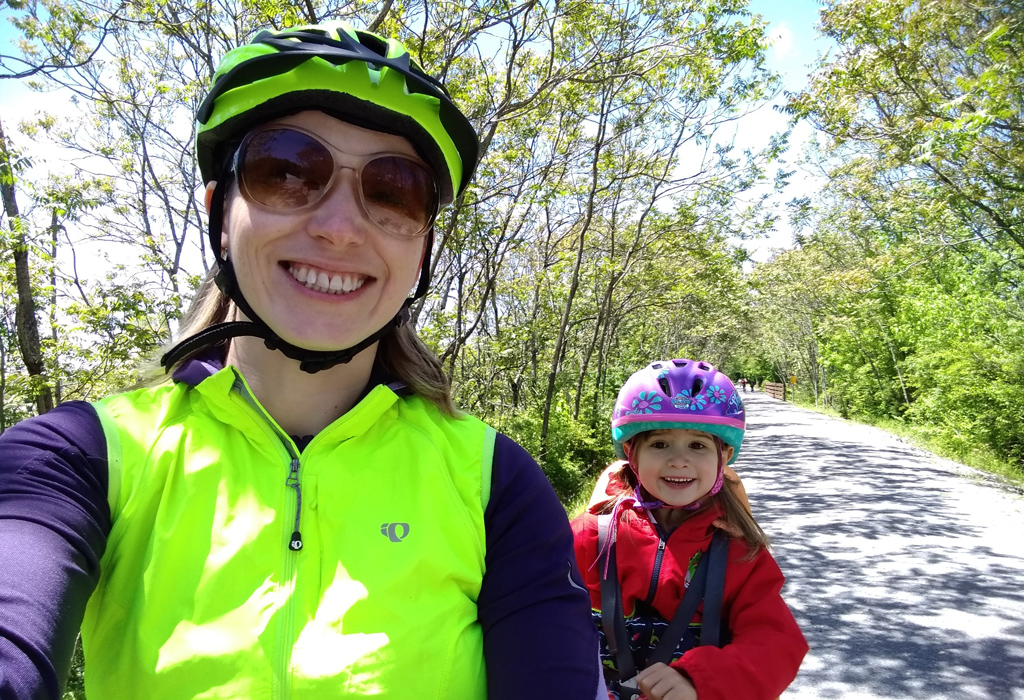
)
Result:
{"points": [[697, 446], [659, 444]]}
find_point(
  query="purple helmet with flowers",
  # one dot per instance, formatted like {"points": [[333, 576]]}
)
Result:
{"points": [[683, 394]]}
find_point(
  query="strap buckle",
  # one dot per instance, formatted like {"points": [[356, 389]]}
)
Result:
{"points": [[629, 689]]}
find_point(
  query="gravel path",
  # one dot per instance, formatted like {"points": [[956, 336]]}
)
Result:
{"points": [[905, 571]]}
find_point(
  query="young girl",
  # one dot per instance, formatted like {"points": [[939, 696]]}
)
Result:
{"points": [[677, 424]]}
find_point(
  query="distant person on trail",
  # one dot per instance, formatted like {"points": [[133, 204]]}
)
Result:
{"points": [[677, 535], [743, 384], [296, 509]]}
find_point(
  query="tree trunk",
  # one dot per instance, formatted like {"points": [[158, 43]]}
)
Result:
{"points": [[3, 385], [27, 323], [54, 229], [563, 326], [895, 362]]}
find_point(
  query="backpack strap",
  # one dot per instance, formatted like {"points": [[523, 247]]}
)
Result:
{"points": [[711, 622], [612, 618], [703, 586]]}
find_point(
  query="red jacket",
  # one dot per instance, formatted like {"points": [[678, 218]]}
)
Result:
{"points": [[766, 645]]}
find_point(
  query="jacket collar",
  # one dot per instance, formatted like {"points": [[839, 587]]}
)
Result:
{"points": [[207, 374], [194, 371]]}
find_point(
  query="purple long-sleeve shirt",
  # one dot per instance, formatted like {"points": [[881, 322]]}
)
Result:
{"points": [[54, 522]]}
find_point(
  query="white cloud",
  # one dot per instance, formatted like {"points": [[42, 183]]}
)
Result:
{"points": [[781, 39]]}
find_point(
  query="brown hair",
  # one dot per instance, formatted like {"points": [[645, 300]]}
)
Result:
{"points": [[401, 353]]}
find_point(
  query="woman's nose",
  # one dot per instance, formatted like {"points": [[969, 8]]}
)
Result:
{"points": [[339, 216]]}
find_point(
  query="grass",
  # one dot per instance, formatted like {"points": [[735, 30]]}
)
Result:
{"points": [[578, 502], [979, 458]]}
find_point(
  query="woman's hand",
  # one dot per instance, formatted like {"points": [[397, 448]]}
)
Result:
{"points": [[661, 682]]}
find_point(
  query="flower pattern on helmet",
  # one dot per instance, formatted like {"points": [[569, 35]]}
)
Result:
{"points": [[646, 402], [684, 401], [735, 405], [716, 394]]}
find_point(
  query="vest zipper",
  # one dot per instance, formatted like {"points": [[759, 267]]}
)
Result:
{"points": [[292, 481], [295, 542], [281, 688]]}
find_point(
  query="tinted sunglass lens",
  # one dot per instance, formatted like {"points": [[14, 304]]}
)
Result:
{"points": [[284, 169], [399, 194]]}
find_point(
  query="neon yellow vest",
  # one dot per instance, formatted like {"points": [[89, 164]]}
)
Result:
{"points": [[200, 595]]}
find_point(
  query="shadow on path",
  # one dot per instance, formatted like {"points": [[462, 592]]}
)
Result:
{"points": [[907, 577]]}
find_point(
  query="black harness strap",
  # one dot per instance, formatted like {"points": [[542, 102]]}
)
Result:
{"points": [[612, 616], [707, 584], [711, 622]]}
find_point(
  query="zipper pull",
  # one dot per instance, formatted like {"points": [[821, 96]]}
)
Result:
{"points": [[295, 541]]}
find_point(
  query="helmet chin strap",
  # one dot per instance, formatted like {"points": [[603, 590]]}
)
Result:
{"points": [[310, 361]]}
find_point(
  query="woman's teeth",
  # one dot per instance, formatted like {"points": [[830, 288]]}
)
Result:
{"points": [[320, 281]]}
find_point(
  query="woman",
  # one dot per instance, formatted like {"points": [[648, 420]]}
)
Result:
{"points": [[298, 511]]}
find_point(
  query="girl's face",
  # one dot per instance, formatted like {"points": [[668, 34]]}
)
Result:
{"points": [[326, 277], [677, 466]]}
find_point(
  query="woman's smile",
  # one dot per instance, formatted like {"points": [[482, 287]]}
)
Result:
{"points": [[325, 281]]}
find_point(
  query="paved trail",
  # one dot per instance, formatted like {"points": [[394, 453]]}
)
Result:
{"points": [[905, 571]]}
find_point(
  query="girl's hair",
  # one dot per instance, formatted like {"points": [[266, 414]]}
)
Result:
{"points": [[401, 353], [740, 523]]}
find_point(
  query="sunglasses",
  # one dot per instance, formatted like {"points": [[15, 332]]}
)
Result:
{"points": [[287, 169]]}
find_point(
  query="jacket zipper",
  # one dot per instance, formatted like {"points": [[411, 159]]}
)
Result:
{"points": [[281, 688], [645, 637], [657, 571]]}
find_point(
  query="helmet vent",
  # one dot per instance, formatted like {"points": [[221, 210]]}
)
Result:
{"points": [[704, 366], [374, 43], [663, 383], [656, 365], [698, 384], [680, 363]]}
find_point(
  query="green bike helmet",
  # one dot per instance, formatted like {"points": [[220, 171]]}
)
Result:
{"points": [[355, 76]]}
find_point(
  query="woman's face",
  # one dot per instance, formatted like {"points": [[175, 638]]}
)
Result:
{"points": [[326, 277]]}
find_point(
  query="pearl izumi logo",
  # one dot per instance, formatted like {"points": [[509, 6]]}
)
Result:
{"points": [[396, 532]]}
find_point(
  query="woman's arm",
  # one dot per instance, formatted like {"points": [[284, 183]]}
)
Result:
{"points": [[539, 639], [54, 522]]}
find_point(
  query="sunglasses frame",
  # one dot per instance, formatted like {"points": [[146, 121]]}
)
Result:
{"points": [[339, 163]]}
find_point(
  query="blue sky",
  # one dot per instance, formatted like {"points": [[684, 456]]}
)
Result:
{"points": [[796, 47], [797, 43]]}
